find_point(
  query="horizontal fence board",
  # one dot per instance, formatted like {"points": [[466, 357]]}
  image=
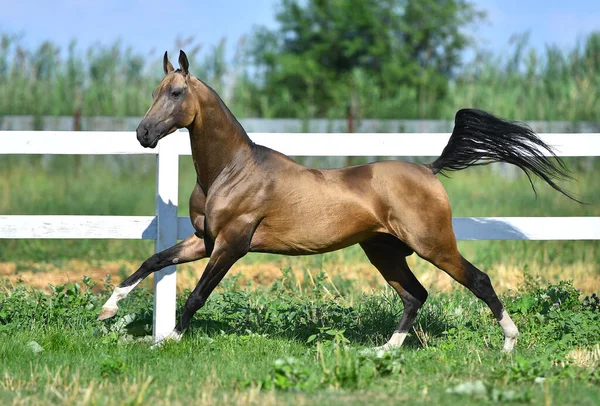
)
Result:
{"points": [[283, 125], [581, 145], [144, 227], [72, 143], [295, 144], [498, 228], [398, 144], [527, 228], [78, 227]]}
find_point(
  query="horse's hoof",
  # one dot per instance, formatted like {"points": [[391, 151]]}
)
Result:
{"points": [[107, 312], [368, 351], [509, 344], [378, 351], [157, 344], [173, 336], [385, 348]]}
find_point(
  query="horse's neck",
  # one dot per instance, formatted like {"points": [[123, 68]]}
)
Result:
{"points": [[218, 140]]}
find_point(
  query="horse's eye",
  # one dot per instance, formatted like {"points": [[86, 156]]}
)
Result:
{"points": [[176, 93]]}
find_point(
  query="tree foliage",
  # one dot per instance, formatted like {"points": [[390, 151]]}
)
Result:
{"points": [[325, 53]]}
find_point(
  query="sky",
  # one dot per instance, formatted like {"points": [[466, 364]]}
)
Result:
{"points": [[153, 26]]}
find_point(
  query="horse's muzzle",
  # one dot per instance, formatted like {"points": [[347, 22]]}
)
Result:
{"points": [[144, 137]]}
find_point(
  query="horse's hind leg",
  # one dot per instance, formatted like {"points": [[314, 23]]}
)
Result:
{"points": [[388, 255], [445, 256], [190, 249]]}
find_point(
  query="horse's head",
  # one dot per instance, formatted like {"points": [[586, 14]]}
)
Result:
{"points": [[173, 104]]}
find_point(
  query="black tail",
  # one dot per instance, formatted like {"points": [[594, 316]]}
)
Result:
{"points": [[479, 138]]}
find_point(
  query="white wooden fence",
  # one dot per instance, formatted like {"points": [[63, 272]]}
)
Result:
{"points": [[165, 228]]}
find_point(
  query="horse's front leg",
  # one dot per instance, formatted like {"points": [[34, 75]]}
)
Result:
{"points": [[229, 246], [190, 249]]}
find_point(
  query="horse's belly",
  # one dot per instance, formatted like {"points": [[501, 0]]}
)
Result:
{"points": [[294, 236]]}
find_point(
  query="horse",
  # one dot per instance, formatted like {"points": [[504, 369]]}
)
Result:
{"points": [[249, 198]]}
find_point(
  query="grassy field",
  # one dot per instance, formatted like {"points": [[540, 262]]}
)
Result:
{"points": [[296, 342], [291, 330]]}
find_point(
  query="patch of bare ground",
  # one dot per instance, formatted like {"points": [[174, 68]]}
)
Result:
{"points": [[362, 274], [585, 357]]}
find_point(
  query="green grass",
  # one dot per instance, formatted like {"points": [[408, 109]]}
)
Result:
{"points": [[295, 343]]}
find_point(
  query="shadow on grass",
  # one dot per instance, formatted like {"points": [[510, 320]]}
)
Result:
{"points": [[284, 310], [369, 323]]}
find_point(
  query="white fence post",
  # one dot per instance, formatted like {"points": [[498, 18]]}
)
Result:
{"points": [[165, 281]]}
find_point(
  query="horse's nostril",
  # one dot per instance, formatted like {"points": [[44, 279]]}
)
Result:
{"points": [[142, 133]]}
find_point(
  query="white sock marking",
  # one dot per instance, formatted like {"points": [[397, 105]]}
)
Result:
{"points": [[394, 342], [172, 336], [119, 294], [510, 331]]}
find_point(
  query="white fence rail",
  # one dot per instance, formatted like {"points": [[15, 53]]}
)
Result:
{"points": [[165, 228]]}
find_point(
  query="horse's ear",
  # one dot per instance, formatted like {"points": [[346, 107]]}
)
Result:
{"points": [[167, 67], [183, 62]]}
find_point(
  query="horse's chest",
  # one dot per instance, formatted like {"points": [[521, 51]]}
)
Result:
{"points": [[230, 210]]}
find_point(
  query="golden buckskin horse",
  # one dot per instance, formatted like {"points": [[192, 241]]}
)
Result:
{"points": [[249, 198]]}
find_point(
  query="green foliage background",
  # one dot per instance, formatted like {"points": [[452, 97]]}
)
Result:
{"points": [[382, 59]]}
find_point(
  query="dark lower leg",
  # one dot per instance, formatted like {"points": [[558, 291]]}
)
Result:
{"points": [[479, 283], [188, 250], [215, 270], [409, 313], [388, 256], [413, 296]]}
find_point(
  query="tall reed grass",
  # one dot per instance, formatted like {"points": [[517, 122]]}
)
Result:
{"points": [[104, 80], [115, 80]]}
